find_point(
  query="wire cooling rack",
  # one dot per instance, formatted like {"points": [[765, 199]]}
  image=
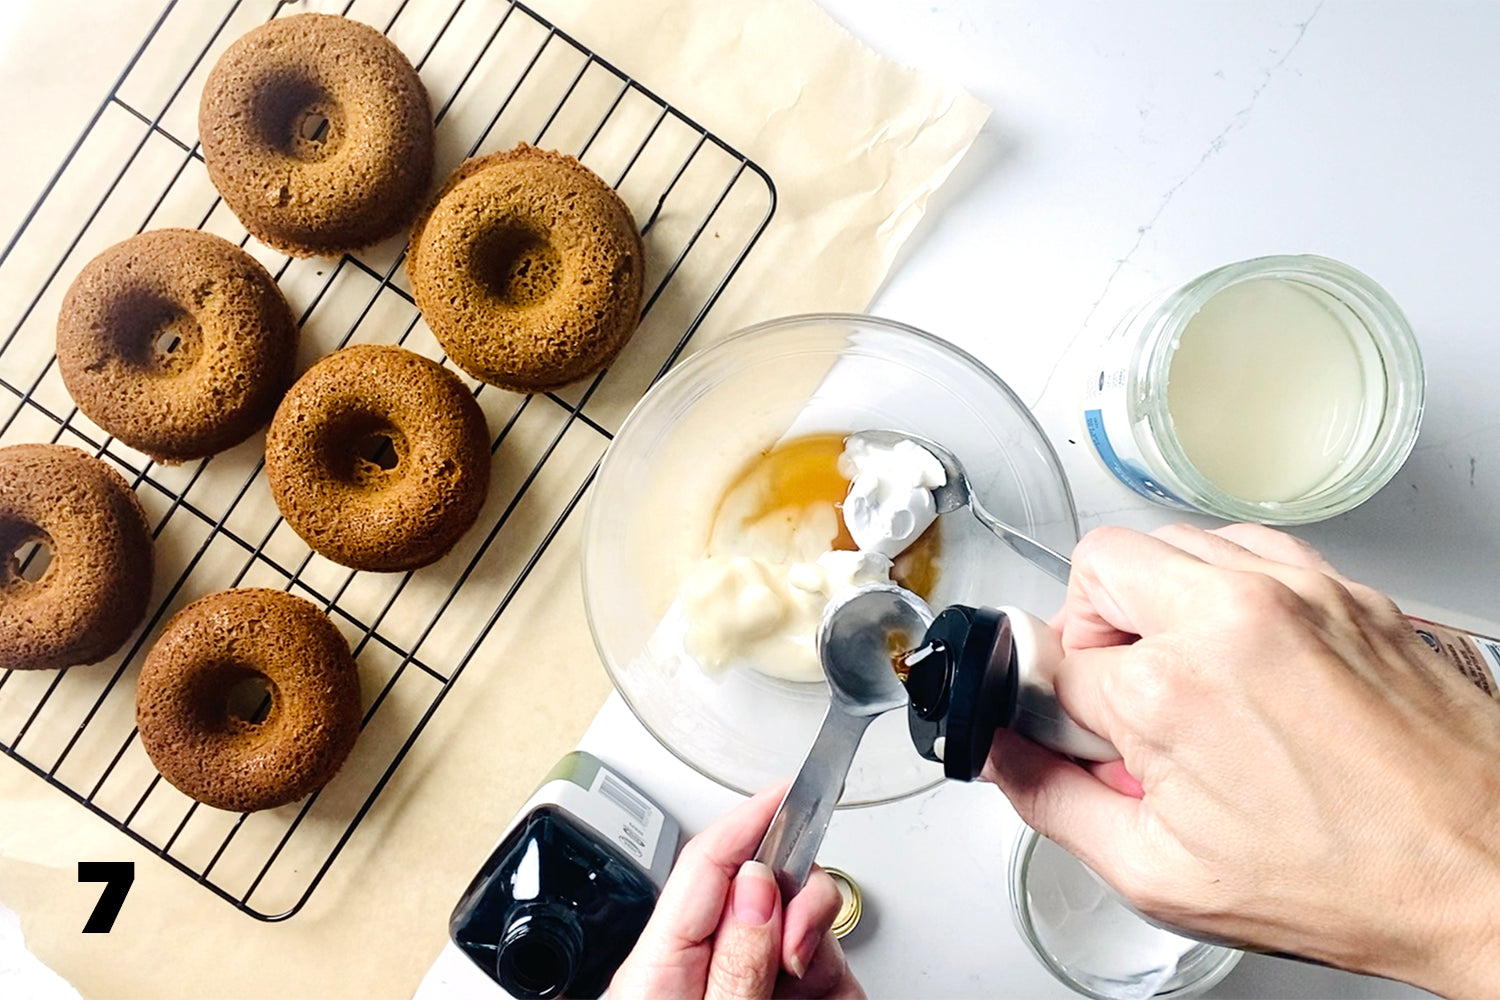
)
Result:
{"points": [[497, 73]]}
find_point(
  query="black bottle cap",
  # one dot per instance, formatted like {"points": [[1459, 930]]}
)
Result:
{"points": [[927, 686], [962, 685], [540, 951]]}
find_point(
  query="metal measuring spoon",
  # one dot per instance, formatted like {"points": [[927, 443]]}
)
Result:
{"points": [[956, 493], [859, 640]]}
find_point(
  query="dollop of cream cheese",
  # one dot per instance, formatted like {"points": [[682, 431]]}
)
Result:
{"points": [[768, 613], [890, 502], [756, 607]]}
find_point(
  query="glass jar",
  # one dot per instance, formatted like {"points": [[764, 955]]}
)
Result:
{"points": [[1282, 390], [1092, 941]]}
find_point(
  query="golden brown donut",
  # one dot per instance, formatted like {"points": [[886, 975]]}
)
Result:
{"points": [[325, 446], [297, 188], [235, 356], [196, 727], [529, 269], [94, 592]]}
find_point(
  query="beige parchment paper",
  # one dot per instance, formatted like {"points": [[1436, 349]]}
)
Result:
{"points": [[853, 146]]}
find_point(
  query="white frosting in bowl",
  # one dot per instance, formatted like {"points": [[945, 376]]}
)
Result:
{"points": [[890, 494], [758, 607]]}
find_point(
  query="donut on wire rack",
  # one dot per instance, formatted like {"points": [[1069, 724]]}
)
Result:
{"points": [[379, 458], [529, 269], [177, 342], [94, 590], [248, 700], [317, 131]]}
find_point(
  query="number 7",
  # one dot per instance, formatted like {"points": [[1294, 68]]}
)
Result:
{"points": [[117, 876]]}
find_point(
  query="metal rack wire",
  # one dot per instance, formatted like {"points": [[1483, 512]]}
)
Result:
{"points": [[497, 73]]}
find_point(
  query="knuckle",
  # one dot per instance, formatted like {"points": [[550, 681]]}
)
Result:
{"points": [[1321, 590], [740, 968], [692, 851], [1152, 682], [1101, 539], [1294, 547], [1139, 882], [822, 899], [1159, 893], [1249, 598], [1131, 881], [1382, 610], [1258, 536]]}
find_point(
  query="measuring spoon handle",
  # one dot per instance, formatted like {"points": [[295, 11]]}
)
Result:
{"points": [[796, 832], [1045, 559]]}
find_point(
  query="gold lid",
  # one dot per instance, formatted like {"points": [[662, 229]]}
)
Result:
{"points": [[852, 903]]}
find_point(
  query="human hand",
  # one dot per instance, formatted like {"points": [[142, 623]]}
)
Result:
{"points": [[1304, 775], [719, 929]]}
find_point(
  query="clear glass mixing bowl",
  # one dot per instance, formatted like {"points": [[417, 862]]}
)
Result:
{"points": [[661, 481]]}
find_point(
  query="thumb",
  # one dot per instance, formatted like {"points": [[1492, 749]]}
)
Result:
{"points": [[747, 946]]}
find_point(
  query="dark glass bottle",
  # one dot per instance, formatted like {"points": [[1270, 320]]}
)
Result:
{"points": [[560, 903]]}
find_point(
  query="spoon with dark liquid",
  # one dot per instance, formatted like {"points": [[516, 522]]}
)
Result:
{"points": [[860, 641]]}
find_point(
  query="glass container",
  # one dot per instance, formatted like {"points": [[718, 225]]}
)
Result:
{"points": [[1315, 389], [665, 472], [1088, 937]]}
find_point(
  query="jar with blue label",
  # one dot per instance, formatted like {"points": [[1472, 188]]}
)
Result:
{"points": [[1282, 390]]}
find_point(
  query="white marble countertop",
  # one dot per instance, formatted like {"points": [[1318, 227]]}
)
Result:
{"points": [[1133, 147]]}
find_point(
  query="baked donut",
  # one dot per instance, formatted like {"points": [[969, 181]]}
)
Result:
{"points": [[298, 185], [235, 350], [197, 725], [93, 593], [529, 269], [379, 458]]}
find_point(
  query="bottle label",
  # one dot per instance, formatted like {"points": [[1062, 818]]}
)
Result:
{"points": [[1129, 471], [1106, 419], [615, 809], [1476, 656]]}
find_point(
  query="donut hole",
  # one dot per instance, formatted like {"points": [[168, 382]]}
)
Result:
{"points": [[364, 450], [33, 560], [248, 698], [155, 334], [297, 117], [377, 449], [232, 697], [313, 127], [516, 264], [28, 553], [166, 342]]}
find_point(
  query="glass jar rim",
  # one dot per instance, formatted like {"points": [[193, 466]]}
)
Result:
{"points": [[1389, 332], [1020, 866]]}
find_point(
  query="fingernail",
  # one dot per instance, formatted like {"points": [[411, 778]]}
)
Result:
{"points": [[802, 955], [754, 894]]}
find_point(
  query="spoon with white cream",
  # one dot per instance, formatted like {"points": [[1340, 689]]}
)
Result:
{"points": [[952, 493]]}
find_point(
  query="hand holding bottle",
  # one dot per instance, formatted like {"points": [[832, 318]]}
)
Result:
{"points": [[720, 930], [1300, 773]]}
